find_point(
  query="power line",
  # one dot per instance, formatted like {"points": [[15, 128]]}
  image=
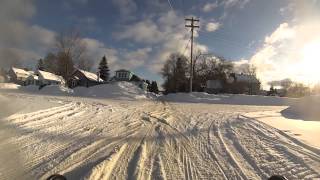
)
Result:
{"points": [[169, 2], [186, 47]]}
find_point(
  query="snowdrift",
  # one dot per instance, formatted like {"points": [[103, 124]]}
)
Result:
{"points": [[8, 86], [48, 90], [237, 99], [307, 108], [116, 90]]}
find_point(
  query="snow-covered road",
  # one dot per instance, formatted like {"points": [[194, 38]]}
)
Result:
{"points": [[117, 139]]}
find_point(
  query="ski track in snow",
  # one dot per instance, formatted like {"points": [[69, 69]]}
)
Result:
{"points": [[154, 140]]}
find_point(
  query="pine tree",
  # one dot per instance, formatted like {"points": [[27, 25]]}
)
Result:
{"points": [[104, 69], [40, 65], [180, 75], [154, 87]]}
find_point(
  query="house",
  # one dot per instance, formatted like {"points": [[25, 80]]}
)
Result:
{"points": [[123, 75], [18, 76], [126, 75], [47, 78], [213, 86], [83, 78], [245, 83], [32, 79]]}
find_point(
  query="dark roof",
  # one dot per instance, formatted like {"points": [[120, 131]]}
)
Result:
{"points": [[123, 70]]}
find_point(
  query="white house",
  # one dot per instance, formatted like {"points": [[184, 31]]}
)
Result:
{"points": [[123, 75], [18, 76], [47, 78], [32, 79], [84, 78]]}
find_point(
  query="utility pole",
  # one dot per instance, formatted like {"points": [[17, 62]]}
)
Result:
{"points": [[192, 26]]}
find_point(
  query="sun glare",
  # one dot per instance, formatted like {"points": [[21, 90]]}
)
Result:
{"points": [[310, 64]]}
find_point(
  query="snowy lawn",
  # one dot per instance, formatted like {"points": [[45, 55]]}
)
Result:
{"points": [[85, 138]]}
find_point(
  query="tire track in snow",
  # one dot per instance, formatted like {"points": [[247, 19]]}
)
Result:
{"points": [[268, 157]]}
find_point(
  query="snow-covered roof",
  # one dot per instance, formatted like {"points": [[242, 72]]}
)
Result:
{"points": [[245, 78], [49, 76], [33, 76], [91, 76], [20, 72]]}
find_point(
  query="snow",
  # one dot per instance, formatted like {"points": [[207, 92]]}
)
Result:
{"points": [[306, 108], [119, 90], [91, 76], [306, 131], [238, 99], [115, 90], [21, 72], [7, 86], [196, 136], [50, 76]]}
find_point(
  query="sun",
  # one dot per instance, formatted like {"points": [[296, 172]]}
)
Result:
{"points": [[310, 64]]}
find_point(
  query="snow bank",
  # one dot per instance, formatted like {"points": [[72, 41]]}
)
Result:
{"points": [[237, 99], [307, 108], [7, 86], [49, 90], [118, 90]]}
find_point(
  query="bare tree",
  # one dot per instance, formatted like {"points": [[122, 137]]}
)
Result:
{"points": [[71, 52], [175, 72]]}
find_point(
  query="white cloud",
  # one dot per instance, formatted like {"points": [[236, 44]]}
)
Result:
{"points": [[117, 59], [286, 54], [210, 6], [233, 3], [212, 26], [165, 33], [292, 50], [145, 31], [20, 41]]}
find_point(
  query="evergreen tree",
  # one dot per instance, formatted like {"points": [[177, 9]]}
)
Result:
{"points": [[175, 72], [180, 75], [148, 86], [154, 87], [40, 65], [104, 69]]}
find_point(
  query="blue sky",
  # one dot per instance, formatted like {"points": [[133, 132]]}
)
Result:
{"points": [[140, 34]]}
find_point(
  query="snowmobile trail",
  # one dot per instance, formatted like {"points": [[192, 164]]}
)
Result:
{"points": [[102, 139]]}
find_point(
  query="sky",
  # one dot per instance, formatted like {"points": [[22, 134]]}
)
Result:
{"points": [[280, 38]]}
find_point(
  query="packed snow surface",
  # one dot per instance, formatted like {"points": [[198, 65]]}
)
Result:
{"points": [[115, 90], [91, 138], [200, 97]]}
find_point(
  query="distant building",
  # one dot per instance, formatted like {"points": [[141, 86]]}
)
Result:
{"points": [[244, 83], [123, 75], [126, 75], [83, 78], [47, 78], [32, 79], [18, 76], [213, 86]]}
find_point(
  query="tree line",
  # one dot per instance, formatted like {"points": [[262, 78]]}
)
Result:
{"points": [[70, 52], [176, 74], [289, 88]]}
